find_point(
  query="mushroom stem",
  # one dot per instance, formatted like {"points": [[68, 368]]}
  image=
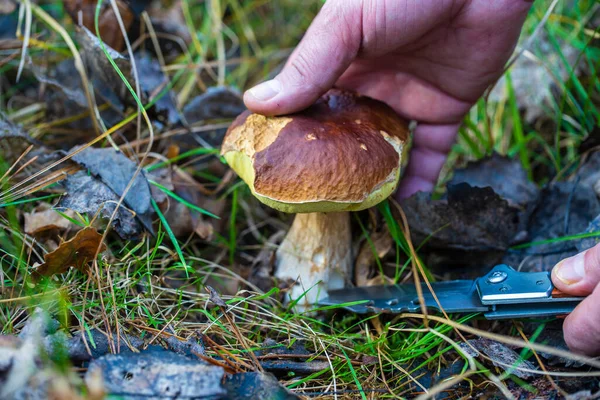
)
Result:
{"points": [[315, 256]]}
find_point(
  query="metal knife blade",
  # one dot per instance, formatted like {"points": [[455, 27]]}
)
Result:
{"points": [[501, 294]]}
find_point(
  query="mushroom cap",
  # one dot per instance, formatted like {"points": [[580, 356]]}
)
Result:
{"points": [[343, 153]]}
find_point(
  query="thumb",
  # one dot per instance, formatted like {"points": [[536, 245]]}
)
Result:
{"points": [[325, 52], [578, 275]]}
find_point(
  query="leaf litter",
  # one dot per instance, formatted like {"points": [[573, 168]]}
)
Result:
{"points": [[44, 219], [76, 252], [151, 78], [117, 171], [86, 194], [489, 209]]}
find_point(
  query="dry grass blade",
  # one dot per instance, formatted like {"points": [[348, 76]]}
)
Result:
{"points": [[216, 299], [518, 343], [26, 10]]}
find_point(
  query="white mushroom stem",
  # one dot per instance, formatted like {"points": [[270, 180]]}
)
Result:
{"points": [[315, 256]]}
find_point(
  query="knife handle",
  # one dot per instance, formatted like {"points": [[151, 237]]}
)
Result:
{"points": [[557, 294]]}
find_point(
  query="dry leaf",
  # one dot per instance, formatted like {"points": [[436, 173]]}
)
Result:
{"points": [[116, 171], [472, 226], [40, 221], [363, 269], [108, 24], [214, 297], [76, 252], [501, 356], [88, 195], [158, 374]]}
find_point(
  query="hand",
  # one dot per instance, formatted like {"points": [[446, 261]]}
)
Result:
{"points": [[428, 59], [580, 276]]}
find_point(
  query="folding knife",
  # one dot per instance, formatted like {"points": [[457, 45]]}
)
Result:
{"points": [[503, 293]]}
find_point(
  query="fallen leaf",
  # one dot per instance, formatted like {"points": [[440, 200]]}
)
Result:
{"points": [[219, 102], [471, 227], [76, 252], [76, 349], [152, 82], [17, 365], [116, 171], [88, 195], [156, 373], [20, 362], [182, 219], [214, 297], [9, 130], [429, 377], [506, 176], [170, 20], [500, 355], [256, 386], [588, 243], [47, 219], [573, 388], [262, 269], [190, 347], [565, 208], [379, 245], [151, 78], [278, 358], [108, 24], [61, 78], [589, 173]]}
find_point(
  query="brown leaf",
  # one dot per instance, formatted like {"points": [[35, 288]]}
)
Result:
{"points": [[501, 356], [44, 220], [183, 220], [363, 269], [214, 297], [76, 252], [107, 21]]}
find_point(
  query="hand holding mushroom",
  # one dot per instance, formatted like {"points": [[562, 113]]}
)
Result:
{"points": [[430, 61], [341, 154]]}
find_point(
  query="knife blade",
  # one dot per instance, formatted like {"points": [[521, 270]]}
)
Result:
{"points": [[503, 293]]}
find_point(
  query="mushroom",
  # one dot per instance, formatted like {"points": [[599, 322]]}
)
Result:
{"points": [[341, 154]]}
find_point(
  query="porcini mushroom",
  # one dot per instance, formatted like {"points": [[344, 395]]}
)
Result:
{"points": [[341, 154]]}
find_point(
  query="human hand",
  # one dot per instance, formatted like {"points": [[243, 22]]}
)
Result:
{"points": [[580, 276], [428, 59]]}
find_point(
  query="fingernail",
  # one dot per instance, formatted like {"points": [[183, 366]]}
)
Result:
{"points": [[266, 90], [571, 270]]}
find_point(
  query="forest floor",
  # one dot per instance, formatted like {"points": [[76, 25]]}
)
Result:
{"points": [[135, 264]]}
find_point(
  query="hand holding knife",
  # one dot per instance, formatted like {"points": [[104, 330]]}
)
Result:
{"points": [[503, 293]]}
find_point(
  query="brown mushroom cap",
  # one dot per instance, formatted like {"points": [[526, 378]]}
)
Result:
{"points": [[342, 153]]}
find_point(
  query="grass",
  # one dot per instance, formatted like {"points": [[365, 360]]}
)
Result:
{"points": [[141, 287]]}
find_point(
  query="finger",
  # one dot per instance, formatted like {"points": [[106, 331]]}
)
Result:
{"points": [[327, 49], [582, 326], [580, 274], [431, 145], [411, 97]]}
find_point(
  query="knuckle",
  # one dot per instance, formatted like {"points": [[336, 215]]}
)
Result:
{"points": [[341, 18], [301, 68], [303, 72]]}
